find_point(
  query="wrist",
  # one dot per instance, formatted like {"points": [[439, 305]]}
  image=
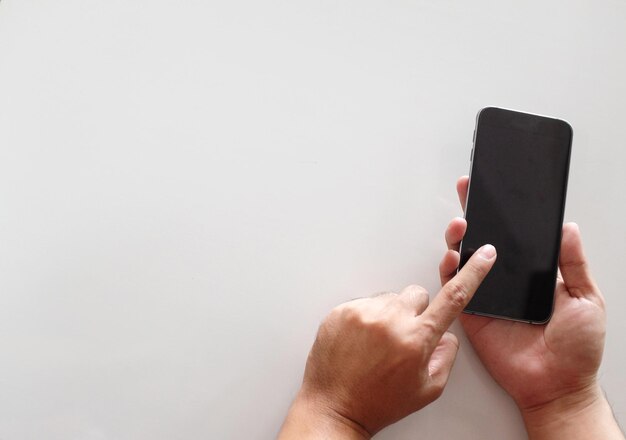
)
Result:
{"points": [[565, 406], [310, 417], [582, 414]]}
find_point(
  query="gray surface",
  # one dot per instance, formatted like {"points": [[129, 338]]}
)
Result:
{"points": [[187, 188]]}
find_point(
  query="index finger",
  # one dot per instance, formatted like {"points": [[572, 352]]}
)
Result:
{"points": [[457, 293]]}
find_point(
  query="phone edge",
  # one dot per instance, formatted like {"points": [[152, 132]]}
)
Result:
{"points": [[569, 156]]}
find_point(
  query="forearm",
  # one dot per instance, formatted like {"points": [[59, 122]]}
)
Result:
{"points": [[308, 420], [582, 416]]}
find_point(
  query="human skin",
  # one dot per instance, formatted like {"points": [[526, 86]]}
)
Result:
{"points": [[549, 370], [377, 360]]}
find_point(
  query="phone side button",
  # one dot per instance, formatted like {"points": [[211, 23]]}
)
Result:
{"points": [[472, 155]]}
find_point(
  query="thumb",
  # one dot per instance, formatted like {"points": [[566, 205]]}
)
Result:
{"points": [[573, 264]]}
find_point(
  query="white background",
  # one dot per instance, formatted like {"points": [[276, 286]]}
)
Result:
{"points": [[186, 188]]}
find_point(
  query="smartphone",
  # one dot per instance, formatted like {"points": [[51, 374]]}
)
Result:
{"points": [[516, 201]]}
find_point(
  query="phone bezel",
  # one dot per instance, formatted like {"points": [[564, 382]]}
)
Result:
{"points": [[475, 136]]}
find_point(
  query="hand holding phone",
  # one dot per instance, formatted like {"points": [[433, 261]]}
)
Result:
{"points": [[549, 370]]}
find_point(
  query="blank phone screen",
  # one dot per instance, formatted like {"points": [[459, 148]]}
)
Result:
{"points": [[516, 201]]}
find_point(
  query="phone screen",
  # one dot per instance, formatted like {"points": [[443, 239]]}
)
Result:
{"points": [[516, 201]]}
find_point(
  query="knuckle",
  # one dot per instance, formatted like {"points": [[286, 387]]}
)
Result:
{"points": [[437, 391], [457, 294], [380, 327], [344, 314], [414, 295], [362, 318], [377, 326], [425, 297], [351, 316], [335, 314], [384, 295], [416, 289], [405, 346], [406, 350], [412, 345]]}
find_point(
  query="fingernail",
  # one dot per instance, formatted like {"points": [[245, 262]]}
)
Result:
{"points": [[487, 252]]}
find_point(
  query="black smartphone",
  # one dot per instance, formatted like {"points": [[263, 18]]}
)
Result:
{"points": [[516, 201]]}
